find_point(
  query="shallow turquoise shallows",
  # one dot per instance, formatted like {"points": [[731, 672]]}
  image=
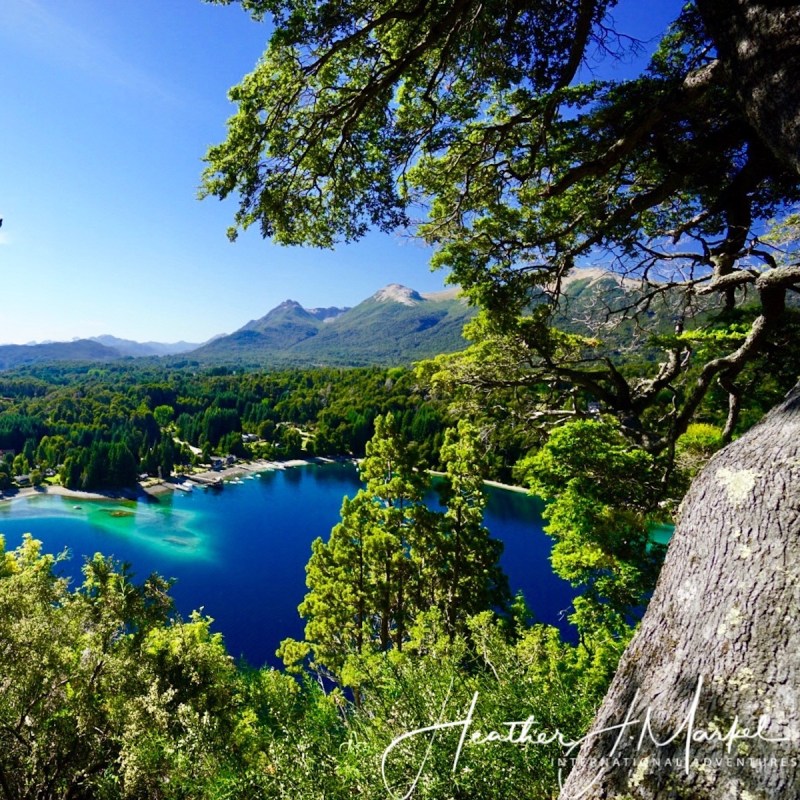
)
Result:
{"points": [[240, 554]]}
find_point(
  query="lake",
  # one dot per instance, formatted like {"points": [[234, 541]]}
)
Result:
{"points": [[240, 554]]}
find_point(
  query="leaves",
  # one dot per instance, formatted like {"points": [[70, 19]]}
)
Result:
{"points": [[601, 491]]}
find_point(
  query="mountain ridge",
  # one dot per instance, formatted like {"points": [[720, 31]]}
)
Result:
{"points": [[394, 325]]}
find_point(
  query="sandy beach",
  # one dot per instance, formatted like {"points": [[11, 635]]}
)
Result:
{"points": [[259, 465], [61, 491], [496, 484], [508, 486], [154, 487]]}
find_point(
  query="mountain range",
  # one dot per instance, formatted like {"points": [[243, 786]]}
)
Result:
{"points": [[396, 325]]}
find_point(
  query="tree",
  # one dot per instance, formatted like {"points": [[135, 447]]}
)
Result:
{"points": [[366, 583], [21, 465], [163, 415], [732, 560], [474, 110], [469, 571], [103, 695], [601, 494], [391, 558], [758, 47], [341, 602], [721, 615], [670, 177]]}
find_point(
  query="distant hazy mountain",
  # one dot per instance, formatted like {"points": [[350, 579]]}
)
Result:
{"points": [[127, 347], [394, 326], [16, 355]]}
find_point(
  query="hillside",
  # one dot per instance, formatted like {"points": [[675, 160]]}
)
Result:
{"points": [[396, 325], [128, 347], [16, 355]]}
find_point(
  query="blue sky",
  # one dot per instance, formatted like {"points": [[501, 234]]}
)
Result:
{"points": [[107, 109]]}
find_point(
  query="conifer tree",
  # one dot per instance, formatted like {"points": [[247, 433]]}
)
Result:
{"points": [[472, 578], [392, 557], [336, 605], [403, 528], [364, 582]]}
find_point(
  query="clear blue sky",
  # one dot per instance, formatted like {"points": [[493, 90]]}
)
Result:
{"points": [[107, 109]]}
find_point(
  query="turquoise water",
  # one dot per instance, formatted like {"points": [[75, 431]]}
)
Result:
{"points": [[240, 554]]}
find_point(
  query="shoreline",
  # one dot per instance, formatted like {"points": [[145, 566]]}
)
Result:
{"points": [[508, 487], [259, 465], [496, 484], [153, 487]]}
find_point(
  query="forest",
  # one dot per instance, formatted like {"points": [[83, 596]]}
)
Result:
{"points": [[418, 675], [97, 427]]}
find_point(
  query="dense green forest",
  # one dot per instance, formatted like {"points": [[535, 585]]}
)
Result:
{"points": [[408, 616], [101, 427]]}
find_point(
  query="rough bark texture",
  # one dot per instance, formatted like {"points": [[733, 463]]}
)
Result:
{"points": [[758, 42], [726, 610]]}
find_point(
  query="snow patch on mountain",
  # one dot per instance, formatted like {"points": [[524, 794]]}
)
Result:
{"points": [[397, 293]]}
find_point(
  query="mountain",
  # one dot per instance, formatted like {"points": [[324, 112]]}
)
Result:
{"points": [[396, 325], [285, 326], [16, 355], [127, 347]]}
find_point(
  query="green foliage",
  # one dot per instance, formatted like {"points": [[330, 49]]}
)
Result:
{"points": [[528, 168], [107, 695], [87, 425], [470, 579], [326, 161], [163, 415], [697, 445], [364, 583], [103, 696], [600, 492], [391, 558]]}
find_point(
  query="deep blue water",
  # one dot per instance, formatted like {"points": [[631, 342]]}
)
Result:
{"points": [[240, 554]]}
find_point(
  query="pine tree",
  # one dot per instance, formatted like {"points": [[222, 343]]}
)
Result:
{"points": [[364, 582], [392, 558], [472, 578]]}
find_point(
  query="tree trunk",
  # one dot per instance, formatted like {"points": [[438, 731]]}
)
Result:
{"points": [[758, 42], [721, 628]]}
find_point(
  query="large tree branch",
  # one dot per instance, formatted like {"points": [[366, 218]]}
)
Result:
{"points": [[728, 366], [695, 84]]}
